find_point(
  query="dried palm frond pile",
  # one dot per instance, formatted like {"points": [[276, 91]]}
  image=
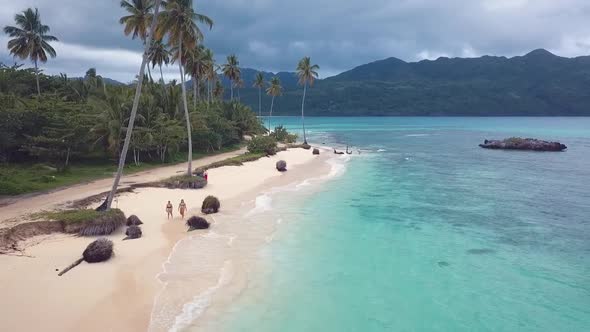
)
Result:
{"points": [[195, 222], [97, 251], [210, 205]]}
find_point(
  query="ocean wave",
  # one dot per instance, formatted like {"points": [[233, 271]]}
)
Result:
{"points": [[416, 135], [194, 308], [262, 203]]}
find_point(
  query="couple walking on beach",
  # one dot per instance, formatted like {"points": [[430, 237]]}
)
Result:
{"points": [[181, 208]]}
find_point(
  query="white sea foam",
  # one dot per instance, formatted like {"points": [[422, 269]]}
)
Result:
{"points": [[381, 150], [193, 309], [263, 203], [416, 135]]}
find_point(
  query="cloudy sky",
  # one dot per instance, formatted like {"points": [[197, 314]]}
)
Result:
{"points": [[337, 34]]}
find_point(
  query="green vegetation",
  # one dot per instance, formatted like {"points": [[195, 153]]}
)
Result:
{"points": [[263, 144], [281, 135], [536, 84], [185, 182], [85, 222]]}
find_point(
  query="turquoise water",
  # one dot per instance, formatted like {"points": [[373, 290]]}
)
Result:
{"points": [[425, 231]]}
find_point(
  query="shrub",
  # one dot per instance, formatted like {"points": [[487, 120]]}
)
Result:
{"points": [[306, 146], [195, 222], [263, 144], [210, 205], [185, 182], [281, 166], [282, 135], [98, 251], [88, 222]]}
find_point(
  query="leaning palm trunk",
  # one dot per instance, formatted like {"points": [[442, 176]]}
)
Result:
{"points": [[186, 115], [302, 114], [134, 109], [37, 77], [270, 115], [163, 84]]}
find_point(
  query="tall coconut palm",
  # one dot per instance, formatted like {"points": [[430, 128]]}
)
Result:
{"points": [[139, 19], [232, 71], [275, 89], [178, 21], [218, 90], [159, 55], [141, 75], [194, 62], [259, 83], [307, 74], [209, 71], [30, 39]]}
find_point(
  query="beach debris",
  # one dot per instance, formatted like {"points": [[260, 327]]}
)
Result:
{"points": [[97, 251], [480, 251], [337, 152], [210, 205], [281, 166], [316, 151], [517, 143], [133, 232], [195, 222], [133, 220], [443, 264]]}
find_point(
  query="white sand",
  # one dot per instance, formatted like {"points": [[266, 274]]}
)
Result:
{"points": [[118, 295]]}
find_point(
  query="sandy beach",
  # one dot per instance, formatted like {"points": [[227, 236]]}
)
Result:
{"points": [[139, 288]]}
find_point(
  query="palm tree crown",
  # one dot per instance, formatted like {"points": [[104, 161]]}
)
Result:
{"points": [[139, 19], [275, 88], [30, 39], [159, 55], [258, 81], [179, 21], [232, 71], [306, 71]]}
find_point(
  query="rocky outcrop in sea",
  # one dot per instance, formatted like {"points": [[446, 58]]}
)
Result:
{"points": [[517, 143]]}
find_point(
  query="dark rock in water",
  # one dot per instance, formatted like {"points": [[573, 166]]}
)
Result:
{"points": [[480, 251], [517, 143], [195, 222], [443, 264], [316, 151], [133, 232], [281, 166]]}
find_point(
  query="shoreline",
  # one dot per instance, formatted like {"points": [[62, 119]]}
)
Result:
{"points": [[119, 294]]}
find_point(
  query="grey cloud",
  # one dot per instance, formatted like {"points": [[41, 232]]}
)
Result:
{"points": [[338, 34]]}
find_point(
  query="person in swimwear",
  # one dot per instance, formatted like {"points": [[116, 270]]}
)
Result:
{"points": [[169, 210], [182, 208]]}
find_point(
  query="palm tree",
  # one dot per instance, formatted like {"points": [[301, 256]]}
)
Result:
{"points": [[141, 75], [209, 71], [159, 55], [30, 39], [194, 61], [232, 71], [178, 21], [138, 20], [275, 89], [307, 74], [259, 83], [218, 90]]}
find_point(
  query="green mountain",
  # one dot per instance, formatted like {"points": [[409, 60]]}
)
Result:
{"points": [[538, 83]]}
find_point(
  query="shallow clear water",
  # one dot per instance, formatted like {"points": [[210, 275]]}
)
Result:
{"points": [[427, 232]]}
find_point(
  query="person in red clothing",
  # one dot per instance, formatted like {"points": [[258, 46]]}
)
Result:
{"points": [[206, 176]]}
